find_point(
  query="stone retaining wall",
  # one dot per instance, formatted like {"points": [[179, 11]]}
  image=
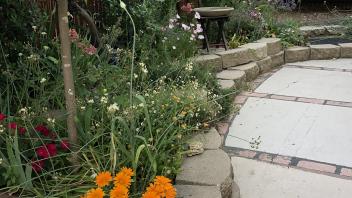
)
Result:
{"points": [[210, 174]]}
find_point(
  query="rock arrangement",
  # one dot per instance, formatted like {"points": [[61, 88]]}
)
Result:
{"points": [[209, 174]]}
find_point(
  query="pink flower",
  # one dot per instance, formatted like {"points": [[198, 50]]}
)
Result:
{"points": [[185, 27], [37, 166], [12, 125], [22, 130], [90, 50], [197, 15], [65, 145], [187, 8], [43, 130], [199, 28], [73, 35], [2, 117]]}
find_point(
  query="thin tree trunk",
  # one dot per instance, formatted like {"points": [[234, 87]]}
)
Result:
{"points": [[67, 72]]}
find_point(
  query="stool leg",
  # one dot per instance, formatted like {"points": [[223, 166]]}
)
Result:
{"points": [[221, 33], [205, 26]]}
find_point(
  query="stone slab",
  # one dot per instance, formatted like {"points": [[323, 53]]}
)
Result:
{"points": [[194, 191], [234, 75], [211, 139], [278, 59], [252, 70], [226, 84], [297, 53], [265, 64], [211, 168], [257, 50], [274, 45], [324, 51], [234, 57], [309, 31], [307, 83], [263, 180], [341, 63], [309, 131], [212, 61], [346, 50]]}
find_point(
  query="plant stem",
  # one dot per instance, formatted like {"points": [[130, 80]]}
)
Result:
{"points": [[67, 72]]}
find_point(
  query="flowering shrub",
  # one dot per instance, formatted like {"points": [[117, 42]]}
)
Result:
{"points": [[172, 99]]}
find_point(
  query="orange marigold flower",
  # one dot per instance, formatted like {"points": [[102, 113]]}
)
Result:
{"points": [[95, 193], [103, 179], [124, 177], [150, 194], [162, 180], [161, 188], [119, 191]]}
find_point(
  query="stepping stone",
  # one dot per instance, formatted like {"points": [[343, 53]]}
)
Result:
{"points": [[236, 193], [212, 168], [236, 76], [212, 61], [251, 69], [226, 84], [274, 45], [346, 50], [235, 57], [324, 51], [194, 191], [295, 54], [211, 140], [278, 59], [309, 31], [257, 50], [265, 65]]}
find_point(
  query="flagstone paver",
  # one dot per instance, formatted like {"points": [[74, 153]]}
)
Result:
{"points": [[298, 117]]}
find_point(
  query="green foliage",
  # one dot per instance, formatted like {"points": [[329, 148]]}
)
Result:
{"points": [[173, 98], [288, 32]]}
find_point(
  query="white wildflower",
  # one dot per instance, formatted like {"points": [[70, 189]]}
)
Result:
{"points": [[113, 108], [43, 80], [104, 100]]}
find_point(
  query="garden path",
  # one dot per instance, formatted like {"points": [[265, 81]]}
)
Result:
{"points": [[302, 114]]}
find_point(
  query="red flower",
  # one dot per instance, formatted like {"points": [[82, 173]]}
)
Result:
{"points": [[2, 117], [42, 129], [187, 8], [42, 152], [90, 50], [37, 166], [73, 35], [22, 130], [12, 125], [52, 149], [65, 145]]}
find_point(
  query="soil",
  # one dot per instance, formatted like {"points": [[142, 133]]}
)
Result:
{"points": [[316, 18]]}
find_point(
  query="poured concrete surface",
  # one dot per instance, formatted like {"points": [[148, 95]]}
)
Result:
{"points": [[342, 63], [309, 131], [263, 180], [320, 84]]}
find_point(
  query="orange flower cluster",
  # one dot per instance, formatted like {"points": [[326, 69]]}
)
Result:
{"points": [[161, 188], [122, 183]]}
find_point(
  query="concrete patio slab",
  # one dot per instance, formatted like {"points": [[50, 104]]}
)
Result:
{"points": [[320, 84], [309, 131], [263, 180], [342, 63]]}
